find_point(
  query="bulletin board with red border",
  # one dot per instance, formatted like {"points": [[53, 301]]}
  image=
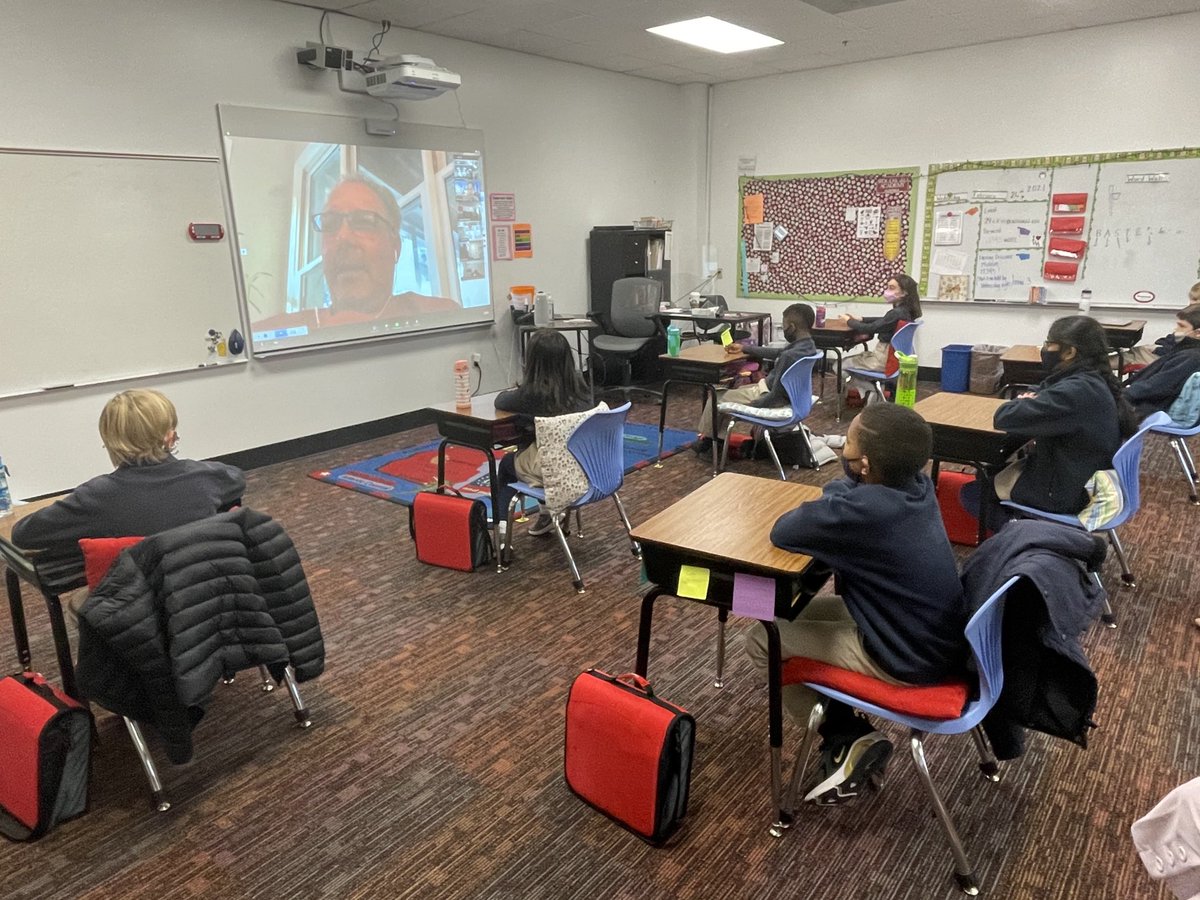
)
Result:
{"points": [[831, 236]]}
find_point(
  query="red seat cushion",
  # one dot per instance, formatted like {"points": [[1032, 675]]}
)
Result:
{"points": [[99, 554], [935, 701]]}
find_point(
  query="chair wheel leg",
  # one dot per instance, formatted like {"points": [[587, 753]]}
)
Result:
{"points": [[967, 884], [990, 770]]}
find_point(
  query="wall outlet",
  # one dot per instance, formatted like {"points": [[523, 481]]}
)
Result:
{"points": [[475, 359]]}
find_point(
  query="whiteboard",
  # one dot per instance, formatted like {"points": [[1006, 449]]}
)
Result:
{"points": [[1121, 225], [99, 278]]}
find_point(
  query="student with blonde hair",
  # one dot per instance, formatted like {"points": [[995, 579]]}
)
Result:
{"points": [[150, 490]]}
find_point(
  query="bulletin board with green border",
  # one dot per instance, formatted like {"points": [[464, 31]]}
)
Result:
{"points": [[1122, 225], [827, 236]]}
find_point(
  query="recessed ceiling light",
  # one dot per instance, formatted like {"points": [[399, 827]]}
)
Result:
{"points": [[715, 34]]}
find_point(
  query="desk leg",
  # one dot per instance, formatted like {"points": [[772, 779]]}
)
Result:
{"points": [[710, 394], [838, 387], [662, 421], [988, 501], [17, 610], [493, 478], [775, 713], [722, 618], [644, 625], [62, 646]]}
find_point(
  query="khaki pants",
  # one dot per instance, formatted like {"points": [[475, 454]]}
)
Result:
{"points": [[824, 630], [747, 394], [1142, 355]]}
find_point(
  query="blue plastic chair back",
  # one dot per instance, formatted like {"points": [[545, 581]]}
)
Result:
{"points": [[599, 446], [1128, 463], [1184, 410], [797, 383], [905, 337]]}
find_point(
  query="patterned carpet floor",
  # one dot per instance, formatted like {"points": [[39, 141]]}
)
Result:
{"points": [[433, 769]]}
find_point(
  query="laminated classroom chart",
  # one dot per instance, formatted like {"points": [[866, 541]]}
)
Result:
{"points": [[1121, 225], [830, 236]]}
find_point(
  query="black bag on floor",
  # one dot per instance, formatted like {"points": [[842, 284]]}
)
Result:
{"points": [[45, 757], [792, 448]]}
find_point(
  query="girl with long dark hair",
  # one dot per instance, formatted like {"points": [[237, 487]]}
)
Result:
{"points": [[904, 297], [1077, 418]]}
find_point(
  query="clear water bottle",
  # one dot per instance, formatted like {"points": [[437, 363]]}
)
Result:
{"points": [[674, 339], [5, 497]]}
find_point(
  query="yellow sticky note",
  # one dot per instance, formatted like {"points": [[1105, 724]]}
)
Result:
{"points": [[693, 582], [752, 209], [726, 337]]}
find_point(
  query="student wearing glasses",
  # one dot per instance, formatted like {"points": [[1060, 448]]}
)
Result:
{"points": [[360, 247], [1076, 418]]}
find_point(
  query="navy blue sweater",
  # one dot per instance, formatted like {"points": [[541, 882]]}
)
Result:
{"points": [[783, 358], [1155, 387], [896, 572]]}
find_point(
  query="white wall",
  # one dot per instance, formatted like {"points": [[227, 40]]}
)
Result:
{"points": [[578, 146], [1121, 87]]}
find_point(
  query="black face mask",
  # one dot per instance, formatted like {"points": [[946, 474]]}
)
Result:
{"points": [[1051, 359], [789, 334]]}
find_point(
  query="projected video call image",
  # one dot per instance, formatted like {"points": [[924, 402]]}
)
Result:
{"points": [[342, 242]]}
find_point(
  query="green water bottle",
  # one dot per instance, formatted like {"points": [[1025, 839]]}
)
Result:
{"points": [[906, 384], [674, 339]]}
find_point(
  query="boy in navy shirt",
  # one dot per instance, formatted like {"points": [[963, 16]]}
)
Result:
{"points": [[899, 613]]}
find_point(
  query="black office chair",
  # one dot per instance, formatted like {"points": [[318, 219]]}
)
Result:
{"points": [[631, 327]]}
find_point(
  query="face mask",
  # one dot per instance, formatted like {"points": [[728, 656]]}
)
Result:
{"points": [[856, 477], [1181, 333], [892, 296], [1051, 359], [789, 334]]}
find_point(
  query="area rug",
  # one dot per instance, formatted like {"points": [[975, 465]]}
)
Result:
{"points": [[399, 475]]}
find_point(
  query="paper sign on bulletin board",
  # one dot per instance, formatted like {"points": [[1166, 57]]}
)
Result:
{"points": [[522, 240], [834, 236]]}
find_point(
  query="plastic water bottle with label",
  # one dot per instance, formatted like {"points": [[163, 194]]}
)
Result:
{"points": [[674, 340], [906, 384], [6, 506]]}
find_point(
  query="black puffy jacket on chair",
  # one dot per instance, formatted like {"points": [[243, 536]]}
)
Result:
{"points": [[189, 606]]}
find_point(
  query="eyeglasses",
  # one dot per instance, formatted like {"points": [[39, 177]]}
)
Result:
{"points": [[361, 221]]}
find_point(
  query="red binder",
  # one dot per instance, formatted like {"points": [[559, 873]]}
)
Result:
{"points": [[1068, 203], [1067, 248], [1055, 270], [629, 753], [1066, 224]]}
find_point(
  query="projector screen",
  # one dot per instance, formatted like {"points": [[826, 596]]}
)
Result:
{"points": [[342, 236]]}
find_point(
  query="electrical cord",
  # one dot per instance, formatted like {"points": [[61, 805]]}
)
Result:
{"points": [[377, 40]]}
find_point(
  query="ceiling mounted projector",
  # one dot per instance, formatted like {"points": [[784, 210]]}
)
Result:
{"points": [[409, 77]]}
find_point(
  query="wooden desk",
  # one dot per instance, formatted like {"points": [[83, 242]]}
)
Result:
{"points": [[20, 565], [482, 427], [705, 365], [694, 532], [580, 325], [712, 317], [836, 337], [963, 433], [1022, 366]]}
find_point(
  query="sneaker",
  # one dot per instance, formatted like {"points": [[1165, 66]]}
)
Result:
{"points": [[702, 446], [544, 524], [847, 768]]}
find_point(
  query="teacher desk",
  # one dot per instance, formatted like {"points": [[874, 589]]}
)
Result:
{"points": [[694, 531]]}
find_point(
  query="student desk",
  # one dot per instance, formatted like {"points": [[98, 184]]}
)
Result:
{"points": [[579, 325], [711, 318], [836, 337], [482, 427], [1022, 367], [694, 531], [963, 433], [705, 365], [21, 565], [1122, 335]]}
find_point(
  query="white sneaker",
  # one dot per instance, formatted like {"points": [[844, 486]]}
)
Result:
{"points": [[544, 524], [847, 770]]}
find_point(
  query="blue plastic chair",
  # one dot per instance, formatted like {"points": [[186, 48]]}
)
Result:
{"points": [[902, 342], [599, 446], [1127, 462], [983, 633], [797, 382], [1178, 435]]}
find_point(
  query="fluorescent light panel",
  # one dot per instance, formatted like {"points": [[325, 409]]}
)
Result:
{"points": [[715, 34]]}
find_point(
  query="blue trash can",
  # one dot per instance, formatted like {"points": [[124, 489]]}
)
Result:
{"points": [[956, 368]]}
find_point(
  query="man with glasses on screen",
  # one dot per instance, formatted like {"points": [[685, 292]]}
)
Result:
{"points": [[360, 246]]}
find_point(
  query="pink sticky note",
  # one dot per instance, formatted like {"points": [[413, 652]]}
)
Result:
{"points": [[753, 596]]}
